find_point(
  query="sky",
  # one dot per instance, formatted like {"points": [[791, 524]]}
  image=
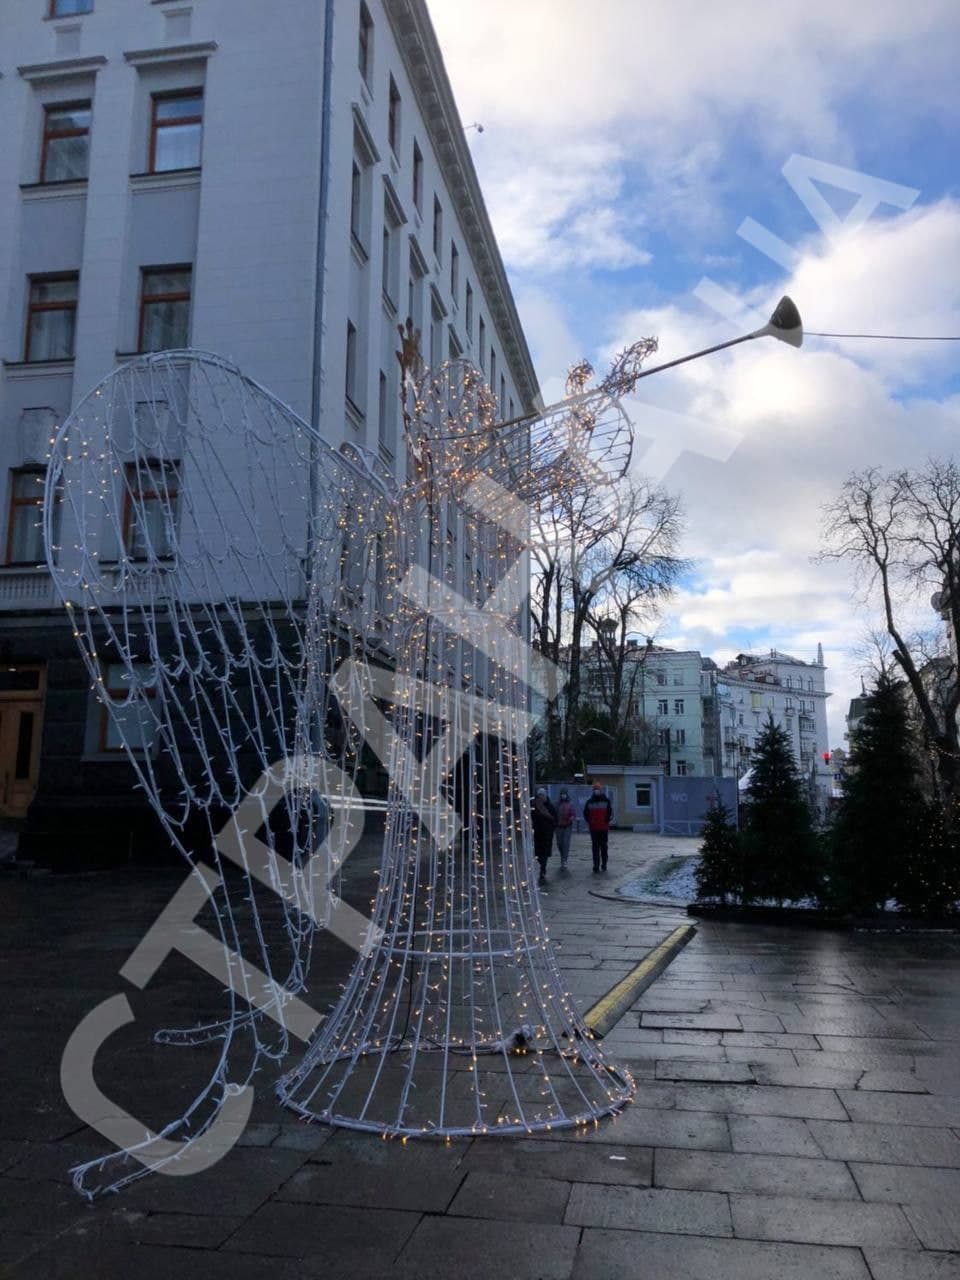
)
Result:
{"points": [[670, 168]]}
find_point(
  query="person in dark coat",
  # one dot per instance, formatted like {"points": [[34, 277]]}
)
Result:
{"points": [[544, 825], [597, 812]]}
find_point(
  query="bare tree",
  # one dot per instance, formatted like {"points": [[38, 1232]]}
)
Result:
{"points": [[902, 528]]}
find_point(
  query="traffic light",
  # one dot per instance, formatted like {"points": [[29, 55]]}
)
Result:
{"points": [[826, 757]]}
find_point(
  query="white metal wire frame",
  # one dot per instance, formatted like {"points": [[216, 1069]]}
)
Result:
{"points": [[268, 600]]}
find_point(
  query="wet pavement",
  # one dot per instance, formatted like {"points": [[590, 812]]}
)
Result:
{"points": [[797, 1112]]}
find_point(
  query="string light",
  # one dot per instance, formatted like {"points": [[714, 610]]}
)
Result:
{"points": [[224, 567]]}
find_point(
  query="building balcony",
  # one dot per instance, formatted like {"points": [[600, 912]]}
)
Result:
{"points": [[27, 588]]}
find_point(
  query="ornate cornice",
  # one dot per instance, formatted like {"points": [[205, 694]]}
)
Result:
{"points": [[423, 60]]}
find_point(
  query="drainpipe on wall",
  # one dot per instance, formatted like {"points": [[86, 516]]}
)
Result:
{"points": [[319, 298]]}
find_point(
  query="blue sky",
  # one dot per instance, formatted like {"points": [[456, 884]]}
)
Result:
{"points": [[624, 144]]}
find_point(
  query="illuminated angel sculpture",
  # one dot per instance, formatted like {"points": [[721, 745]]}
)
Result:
{"points": [[271, 606]]}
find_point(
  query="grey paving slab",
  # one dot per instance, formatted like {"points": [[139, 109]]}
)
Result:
{"points": [[770, 1040], [907, 1184], [709, 1071], [615, 1255], [691, 1021], [901, 1108], [360, 1238], [576, 1160], [742, 1053], [101, 1260], [673, 1035], [887, 1143], [937, 1225], [809, 1076], [302, 1137], [498, 1195], [107, 1220], [806, 1221], [471, 1249], [676, 1052], [772, 1100], [368, 1186], [766, 1175], [632, 1209], [893, 1264], [242, 1181], [872, 1050], [881, 1081], [649, 1128], [773, 1136]]}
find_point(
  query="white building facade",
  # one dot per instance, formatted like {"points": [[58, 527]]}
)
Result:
{"points": [[752, 688], [283, 193]]}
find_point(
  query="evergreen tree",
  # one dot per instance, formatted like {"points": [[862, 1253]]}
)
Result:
{"points": [[879, 827], [927, 879], [720, 869], [780, 850]]}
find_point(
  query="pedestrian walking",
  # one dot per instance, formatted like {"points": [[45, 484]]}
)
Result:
{"points": [[598, 811], [544, 825], [566, 816]]}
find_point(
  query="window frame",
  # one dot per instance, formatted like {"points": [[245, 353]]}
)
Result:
{"points": [[350, 366], [114, 695], [133, 471], [394, 116], [15, 504], [48, 136], [173, 95], [454, 271], [437, 229], [146, 300], [417, 179], [34, 307], [52, 9], [678, 705], [365, 44], [468, 311]]}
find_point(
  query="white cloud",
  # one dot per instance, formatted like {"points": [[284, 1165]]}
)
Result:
{"points": [[662, 91]]}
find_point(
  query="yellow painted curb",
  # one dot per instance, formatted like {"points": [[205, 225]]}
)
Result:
{"points": [[609, 1009]]}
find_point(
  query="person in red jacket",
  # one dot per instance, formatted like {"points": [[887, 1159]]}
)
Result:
{"points": [[598, 811]]}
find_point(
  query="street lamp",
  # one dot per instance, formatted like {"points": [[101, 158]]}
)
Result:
{"points": [[784, 324]]}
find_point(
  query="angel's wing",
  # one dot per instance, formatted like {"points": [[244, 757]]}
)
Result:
{"points": [[217, 557]]}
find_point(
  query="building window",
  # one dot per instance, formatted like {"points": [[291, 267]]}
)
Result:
{"points": [[663, 737], [493, 368], [482, 343], [356, 203], [25, 524], [350, 382], [165, 309], [385, 415], [678, 677], [67, 8], [503, 398], [663, 707], [436, 336], [661, 677], [393, 117], [437, 229], [176, 131], [678, 706], [365, 43], [680, 737], [512, 410], [129, 723], [66, 143], [468, 312], [418, 178], [454, 271], [642, 797], [681, 768], [52, 317], [150, 509]]}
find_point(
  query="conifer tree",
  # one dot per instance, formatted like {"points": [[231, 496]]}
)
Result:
{"points": [[781, 853], [720, 870], [879, 827]]}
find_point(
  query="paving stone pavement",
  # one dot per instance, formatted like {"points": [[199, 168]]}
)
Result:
{"points": [[797, 1113]]}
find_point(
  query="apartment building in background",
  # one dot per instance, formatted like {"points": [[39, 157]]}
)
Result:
{"points": [[284, 193]]}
